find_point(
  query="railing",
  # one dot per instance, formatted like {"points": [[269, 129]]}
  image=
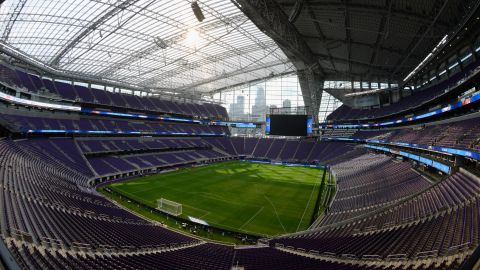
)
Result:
{"points": [[458, 248], [427, 254], [371, 257], [329, 254], [400, 256], [349, 256]]}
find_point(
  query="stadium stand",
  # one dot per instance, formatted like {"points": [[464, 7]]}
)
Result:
{"points": [[456, 133], [94, 97], [49, 207], [24, 123], [426, 95]]}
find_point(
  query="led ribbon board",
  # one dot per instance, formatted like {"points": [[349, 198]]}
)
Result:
{"points": [[27, 102], [47, 105], [432, 163], [452, 106], [453, 151], [69, 131], [173, 119]]}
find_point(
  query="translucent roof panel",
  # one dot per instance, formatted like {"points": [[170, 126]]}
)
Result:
{"points": [[148, 43]]}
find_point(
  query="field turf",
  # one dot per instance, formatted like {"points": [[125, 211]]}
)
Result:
{"points": [[260, 199]]}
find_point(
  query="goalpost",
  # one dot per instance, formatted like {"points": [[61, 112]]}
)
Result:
{"points": [[169, 207]]}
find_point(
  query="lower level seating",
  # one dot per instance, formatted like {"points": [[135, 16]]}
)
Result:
{"points": [[52, 219]]}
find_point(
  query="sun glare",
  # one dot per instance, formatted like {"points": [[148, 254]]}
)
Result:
{"points": [[192, 38]]}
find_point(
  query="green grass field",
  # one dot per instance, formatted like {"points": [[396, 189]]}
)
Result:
{"points": [[260, 199]]}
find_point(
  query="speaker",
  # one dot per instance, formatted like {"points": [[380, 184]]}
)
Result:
{"points": [[197, 11]]}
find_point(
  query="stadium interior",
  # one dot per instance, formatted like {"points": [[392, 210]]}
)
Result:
{"points": [[240, 134]]}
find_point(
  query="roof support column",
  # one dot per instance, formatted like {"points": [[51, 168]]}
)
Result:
{"points": [[312, 90], [268, 16]]}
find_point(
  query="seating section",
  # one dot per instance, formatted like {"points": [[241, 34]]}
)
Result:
{"points": [[377, 180], [46, 205], [289, 149], [222, 143], [43, 202], [274, 149], [207, 256], [438, 236], [460, 134], [112, 156], [262, 147], [108, 165], [418, 98], [456, 191], [53, 220], [129, 145], [306, 151], [370, 182], [60, 151], [64, 122], [382, 210], [330, 152], [81, 94]]}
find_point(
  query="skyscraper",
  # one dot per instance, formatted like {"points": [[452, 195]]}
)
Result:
{"points": [[237, 109], [258, 109], [287, 104]]}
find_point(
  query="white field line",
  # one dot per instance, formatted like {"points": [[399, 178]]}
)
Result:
{"points": [[252, 218], [189, 206], [208, 213], [276, 213], [306, 206]]}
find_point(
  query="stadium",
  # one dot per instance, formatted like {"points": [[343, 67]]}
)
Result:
{"points": [[240, 134]]}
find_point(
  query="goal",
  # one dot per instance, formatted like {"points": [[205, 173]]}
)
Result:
{"points": [[169, 207]]}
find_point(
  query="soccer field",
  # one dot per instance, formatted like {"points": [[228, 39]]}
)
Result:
{"points": [[260, 199]]}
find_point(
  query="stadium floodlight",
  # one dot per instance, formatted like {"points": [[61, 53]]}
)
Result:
{"points": [[169, 207], [197, 11]]}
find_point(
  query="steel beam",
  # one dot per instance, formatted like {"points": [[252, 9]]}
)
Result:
{"points": [[348, 61], [121, 6], [440, 7], [321, 36], [348, 36], [254, 81], [232, 74], [382, 33], [21, 57], [332, 41], [297, 9], [368, 8], [269, 17], [149, 50], [13, 18]]}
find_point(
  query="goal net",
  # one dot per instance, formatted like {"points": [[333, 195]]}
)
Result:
{"points": [[169, 207]]}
